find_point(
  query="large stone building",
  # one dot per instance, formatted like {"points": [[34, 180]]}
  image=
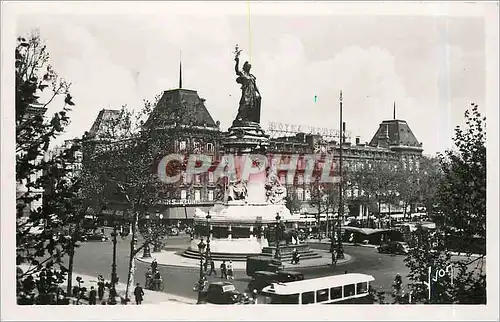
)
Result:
{"points": [[183, 111]]}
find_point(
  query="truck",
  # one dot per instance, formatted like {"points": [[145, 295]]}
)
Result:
{"points": [[262, 263]]}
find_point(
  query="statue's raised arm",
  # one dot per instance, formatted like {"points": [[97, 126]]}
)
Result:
{"points": [[237, 52]]}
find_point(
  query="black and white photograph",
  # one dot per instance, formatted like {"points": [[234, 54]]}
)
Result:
{"points": [[186, 158]]}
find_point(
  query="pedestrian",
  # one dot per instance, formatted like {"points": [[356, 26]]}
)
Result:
{"points": [[254, 296], [154, 265], [92, 296], [139, 294], [100, 287], [212, 268], [334, 258], [230, 270], [223, 270]]}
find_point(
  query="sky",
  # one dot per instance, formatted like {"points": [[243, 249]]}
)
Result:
{"points": [[431, 67]]}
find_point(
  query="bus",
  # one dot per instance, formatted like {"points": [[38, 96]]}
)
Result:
{"points": [[338, 289]]}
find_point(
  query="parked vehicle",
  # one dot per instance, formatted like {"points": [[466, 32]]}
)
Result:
{"points": [[173, 231], [222, 293], [96, 236], [262, 279], [395, 247], [337, 289], [262, 263]]}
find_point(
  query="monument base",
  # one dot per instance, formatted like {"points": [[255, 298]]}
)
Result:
{"points": [[286, 252]]}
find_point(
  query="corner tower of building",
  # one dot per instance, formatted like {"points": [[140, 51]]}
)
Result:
{"points": [[397, 136]]}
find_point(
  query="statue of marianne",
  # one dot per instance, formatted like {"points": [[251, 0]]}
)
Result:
{"points": [[249, 109]]}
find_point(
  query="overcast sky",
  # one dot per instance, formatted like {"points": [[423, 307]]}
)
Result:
{"points": [[432, 67]]}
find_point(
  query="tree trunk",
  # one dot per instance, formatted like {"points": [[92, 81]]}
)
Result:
{"points": [[379, 203], [71, 255], [132, 255]]}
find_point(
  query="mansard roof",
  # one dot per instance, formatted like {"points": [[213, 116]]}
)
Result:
{"points": [[181, 106], [395, 134], [102, 123]]}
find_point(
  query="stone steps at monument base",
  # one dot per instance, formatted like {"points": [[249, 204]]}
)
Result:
{"points": [[189, 253], [243, 257]]}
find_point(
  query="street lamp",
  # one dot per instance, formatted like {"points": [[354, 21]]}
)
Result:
{"points": [[114, 279], [208, 255], [147, 250], [158, 234], [277, 254], [340, 249], [201, 248]]}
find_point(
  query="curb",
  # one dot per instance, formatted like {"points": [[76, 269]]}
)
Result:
{"points": [[296, 268]]}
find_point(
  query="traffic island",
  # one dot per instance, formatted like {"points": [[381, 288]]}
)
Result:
{"points": [[175, 259]]}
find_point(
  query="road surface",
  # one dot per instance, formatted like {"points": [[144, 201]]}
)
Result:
{"points": [[94, 258]]}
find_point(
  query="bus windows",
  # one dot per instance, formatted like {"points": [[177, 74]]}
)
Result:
{"points": [[336, 292], [285, 299], [322, 295], [349, 290], [362, 288], [308, 298]]}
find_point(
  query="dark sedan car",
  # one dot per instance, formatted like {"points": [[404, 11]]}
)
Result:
{"points": [[394, 248], [98, 236], [222, 293]]}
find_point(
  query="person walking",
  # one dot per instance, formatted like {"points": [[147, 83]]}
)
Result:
{"points": [[154, 265], [212, 268], [139, 294], [100, 287], [92, 296], [254, 296], [334, 257], [230, 270], [223, 270]]}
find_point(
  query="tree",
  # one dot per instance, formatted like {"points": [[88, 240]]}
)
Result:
{"points": [[40, 245], [376, 182], [126, 157], [430, 175], [461, 198], [406, 182], [325, 198]]}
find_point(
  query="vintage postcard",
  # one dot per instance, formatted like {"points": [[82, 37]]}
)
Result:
{"points": [[249, 160]]}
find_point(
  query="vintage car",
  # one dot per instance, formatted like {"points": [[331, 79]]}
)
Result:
{"points": [[394, 247], [262, 279], [222, 293], [95, 236]]}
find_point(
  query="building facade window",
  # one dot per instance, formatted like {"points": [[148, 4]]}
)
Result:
{"points": [[210, 195], [210, 147], [197, 195], [210, 177], [183, 194]]}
